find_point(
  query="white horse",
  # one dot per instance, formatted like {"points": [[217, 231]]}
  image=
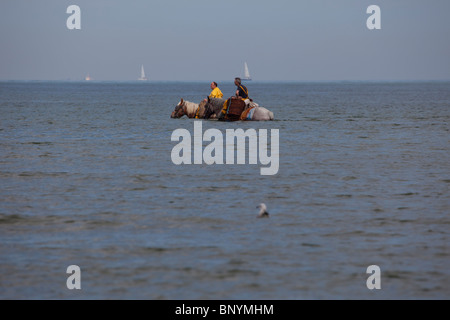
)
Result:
{"points": [[259, 114], [190, 109]]}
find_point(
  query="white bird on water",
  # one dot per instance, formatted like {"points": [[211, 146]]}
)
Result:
{"points": [[262, 211]]}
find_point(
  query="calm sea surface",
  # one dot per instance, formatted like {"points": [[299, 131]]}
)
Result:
{"points": [[86, 178]]}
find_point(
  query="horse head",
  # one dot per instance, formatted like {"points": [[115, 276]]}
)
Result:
{"points": [[179, 110]]}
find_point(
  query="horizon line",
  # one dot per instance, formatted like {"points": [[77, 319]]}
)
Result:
{"points": [[225, 81]]}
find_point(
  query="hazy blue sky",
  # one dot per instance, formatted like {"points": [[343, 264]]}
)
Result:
{"points": [[210, 40]]}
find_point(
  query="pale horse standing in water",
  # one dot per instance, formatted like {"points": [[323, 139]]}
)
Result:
{"points": [[189, 109]]}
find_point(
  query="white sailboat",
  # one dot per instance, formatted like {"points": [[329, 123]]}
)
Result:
{"points": [[143, 77], [88, 77], [246, 73]]}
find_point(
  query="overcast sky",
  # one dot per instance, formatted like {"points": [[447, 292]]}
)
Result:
{"points": [[184, 40]]}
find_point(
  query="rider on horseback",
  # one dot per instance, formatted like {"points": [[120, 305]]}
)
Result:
{"points": [[215, 93], [242, 91], [241, 94]]}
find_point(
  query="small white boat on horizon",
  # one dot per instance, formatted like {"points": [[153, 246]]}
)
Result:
{"points": [[247, 76], [143, 77]]}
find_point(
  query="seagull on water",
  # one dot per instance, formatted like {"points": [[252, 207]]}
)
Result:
{"points": [[262, 211]]}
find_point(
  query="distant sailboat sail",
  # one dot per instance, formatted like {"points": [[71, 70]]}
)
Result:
{"points": [[143, 77], [246, 73], [88, 77]]}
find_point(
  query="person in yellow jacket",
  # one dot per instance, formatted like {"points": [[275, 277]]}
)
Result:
{"points": [[215, 93]]}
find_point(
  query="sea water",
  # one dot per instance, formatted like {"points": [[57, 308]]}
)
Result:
{"points": [[86, 179]]}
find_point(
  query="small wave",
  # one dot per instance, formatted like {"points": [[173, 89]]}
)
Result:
{"points": [[313, 245], [408, 194], [26, 219], [45, 143], [349, 178], [10, 219], [41, 174]]}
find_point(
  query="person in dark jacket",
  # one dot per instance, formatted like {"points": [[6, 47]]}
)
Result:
{"points": [[242, 91]]}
